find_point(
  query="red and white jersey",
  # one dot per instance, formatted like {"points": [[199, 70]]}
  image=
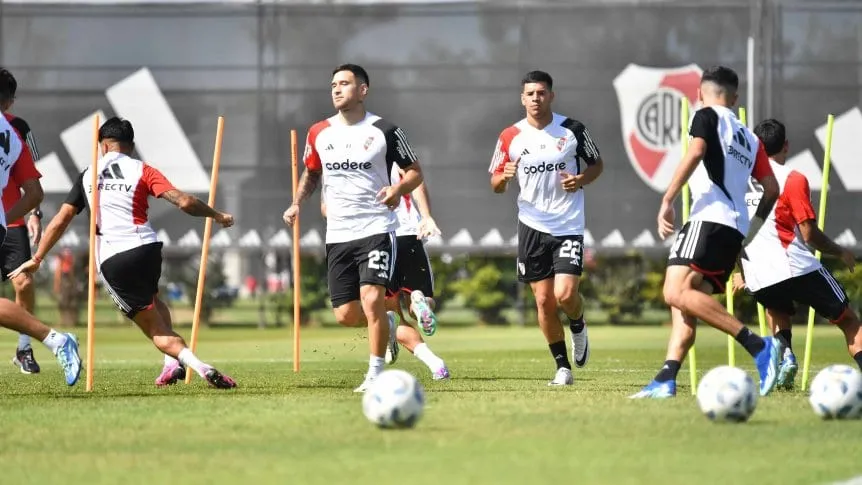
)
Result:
{"points": [[13, 160], [357, 162], [542, 155], [407, 211], [124, 184], [778, 251], [733, 154]]}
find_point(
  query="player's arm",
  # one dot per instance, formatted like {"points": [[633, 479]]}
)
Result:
{"points": [[798, 194], [399, 151], [689, 162], [503, 168], [309, 180], [24, 173], [158, 186], [589, 153], [762, 172], [427, 224]]}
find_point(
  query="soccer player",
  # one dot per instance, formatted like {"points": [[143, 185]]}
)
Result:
{"points": [[779, 268], [412, 287], [17, 164], [129, 254], [353, 151], [544, 151], [706, 249], [16, 247]]}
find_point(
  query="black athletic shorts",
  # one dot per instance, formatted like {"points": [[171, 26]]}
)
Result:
{"points": [[817, 289], [413, 268], [710, 249], [132, 277], [541, 255], [15, 250], [366, 261]]}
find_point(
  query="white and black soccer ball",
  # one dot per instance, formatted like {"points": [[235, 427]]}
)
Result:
{"points": [[727, 394], [395, 399], [836, 393]]}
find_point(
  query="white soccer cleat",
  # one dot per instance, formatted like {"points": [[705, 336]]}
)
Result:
{"points": [[392, 349], [365, 384], [581, 347], [563, 377]]}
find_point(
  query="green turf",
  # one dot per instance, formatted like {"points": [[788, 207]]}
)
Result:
{"points": [[495, 422]]}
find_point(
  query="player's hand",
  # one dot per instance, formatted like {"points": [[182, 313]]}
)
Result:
{"points": [[427, 228], [666, 218], [738, 283], [225, 219], [571, 183], [849, 260], [34, 227], [510, 170], [29, 266], [389, 197], [289, 216]]}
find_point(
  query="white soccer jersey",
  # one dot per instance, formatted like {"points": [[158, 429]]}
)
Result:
{"points": [[778, 252], [733, 154], [407, 211], [542, 156], [10, 149], [356, 161], [124, 187]]}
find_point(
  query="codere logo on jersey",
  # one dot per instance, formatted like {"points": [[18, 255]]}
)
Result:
{"points": [[348, 165], [650, 103], [544, 167]]}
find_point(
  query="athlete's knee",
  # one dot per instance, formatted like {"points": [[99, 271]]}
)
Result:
{"points": [[566, 294], [349, 314], [169, 343], [23, 283], [546, 302]]}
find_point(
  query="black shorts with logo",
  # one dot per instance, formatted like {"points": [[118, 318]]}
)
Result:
{"points": [[366, 261], [817, 289], [132, 277], [541, 255], [709, 248], [413, 269], [15, 250]]}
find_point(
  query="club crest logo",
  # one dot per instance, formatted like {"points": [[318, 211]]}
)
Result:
{"points": [[650, 110], [561, 143], [368, 142]]}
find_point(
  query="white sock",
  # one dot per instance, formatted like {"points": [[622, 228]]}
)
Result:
{"points": [[375, 366], [423, 353], [55, 340], [190, 360], [23, 341], [169, 360]]}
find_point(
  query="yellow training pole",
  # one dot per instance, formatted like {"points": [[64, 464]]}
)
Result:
{"points": [[821, 223], [686, 211]]}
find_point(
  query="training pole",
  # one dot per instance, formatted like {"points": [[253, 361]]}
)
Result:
{"points": [[686, 211], [205, 246], [821, 223], [294, 168], [91, 277]]}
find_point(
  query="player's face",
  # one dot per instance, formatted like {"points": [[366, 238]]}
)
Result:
{"points": [[537, 98], [346, 93]]}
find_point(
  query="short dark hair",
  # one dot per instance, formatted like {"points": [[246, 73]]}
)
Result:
{"points": [[358, 72], [538, 77], [8, 85], [772, 134], [724, 77], [117, 129]]}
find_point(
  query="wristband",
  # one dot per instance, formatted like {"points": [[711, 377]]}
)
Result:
{"points": [[36, 258]]}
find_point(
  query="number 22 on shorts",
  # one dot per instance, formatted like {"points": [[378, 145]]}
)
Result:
{"points": [[571, 249]]}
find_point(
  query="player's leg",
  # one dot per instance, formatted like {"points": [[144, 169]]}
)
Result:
{"points": [[418, 277], [172, 370], [408, 336], [568, 267], [14, 252], [536, 267], [682, 336], [777, 300], [706, 253]]}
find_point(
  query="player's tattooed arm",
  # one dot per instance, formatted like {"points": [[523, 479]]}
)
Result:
{"points": [[193, 206], [308, 183], [815, 238]]}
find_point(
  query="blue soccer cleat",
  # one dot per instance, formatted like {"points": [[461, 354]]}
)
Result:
{"points": [[656, 390], [767, 361], [69, 359]]}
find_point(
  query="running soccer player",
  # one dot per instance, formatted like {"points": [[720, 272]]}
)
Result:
{"points": [[544, 151], [129, 254], [16, 247], [780, 270], [15, 162], [706, 249], [354, 151]]}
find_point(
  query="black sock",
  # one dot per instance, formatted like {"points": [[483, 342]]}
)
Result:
{"points": [[752, 343], [785, 337], [858, 359], [558, 351], [576, 325], [669, 371]]}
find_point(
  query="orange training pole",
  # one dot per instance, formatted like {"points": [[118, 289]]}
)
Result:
{"points": [[294, 165], [91, 283]]}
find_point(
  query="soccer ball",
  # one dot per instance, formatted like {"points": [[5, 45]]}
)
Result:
{"points": [[394, 400], [727, 394], [836, 393]]}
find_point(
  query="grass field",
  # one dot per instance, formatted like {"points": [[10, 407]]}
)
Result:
{"points": [[495, 422]]}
